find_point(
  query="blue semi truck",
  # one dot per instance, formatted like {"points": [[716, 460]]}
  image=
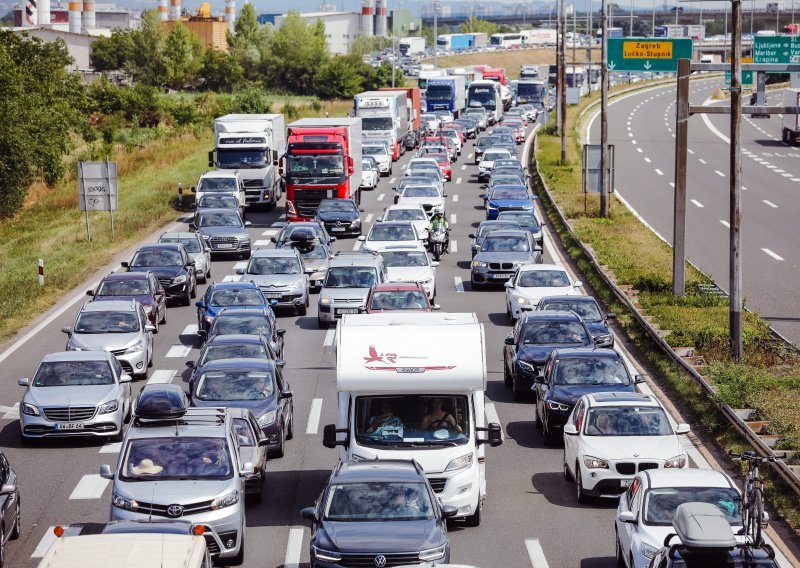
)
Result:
{"points": [[446, 93]]}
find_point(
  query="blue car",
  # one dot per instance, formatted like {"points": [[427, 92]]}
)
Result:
{"points": [[507, 198], [222, 295], [234, 346]]}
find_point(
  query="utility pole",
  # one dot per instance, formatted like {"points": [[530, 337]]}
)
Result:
{"points": [[435, 35], [605, 176], [562, 79], [394, 40], [590, 32], [681, 158], [736, 188], [653, 25]]}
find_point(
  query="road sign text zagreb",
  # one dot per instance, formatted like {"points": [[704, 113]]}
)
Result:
{"points": [[647, 54]]}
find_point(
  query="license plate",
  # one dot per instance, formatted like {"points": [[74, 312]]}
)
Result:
{"points": [[625, 482], [273, 294], [347, 311], [70, 426], [337, 229], [500, 276], [225, 246]]}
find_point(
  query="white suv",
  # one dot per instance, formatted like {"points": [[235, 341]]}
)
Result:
{"points": [[222, 181], [609, 437]]}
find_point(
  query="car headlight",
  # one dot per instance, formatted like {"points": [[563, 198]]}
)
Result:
{"points": [[29, 409], [478, 264], [135, 348], [432, 554], [527, 366], [490, 205], [268, 418], [73, 347], [324, 301], [121, 502], [148, 308], [226, 500], [555, 405], [107, 407], [325, 555], [355, 222], [179, 279], [463, 462], [676, 462], [647, 550], [521, 300], [595, 463]]}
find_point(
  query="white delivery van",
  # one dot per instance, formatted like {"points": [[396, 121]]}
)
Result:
{"points": [[411, 386]]}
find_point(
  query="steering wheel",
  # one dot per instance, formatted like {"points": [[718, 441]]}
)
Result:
{"points": [[441, 423]]}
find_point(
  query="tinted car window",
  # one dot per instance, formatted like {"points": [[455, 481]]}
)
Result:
{"points": [[350, 277], [219, 219], [359, 502], [226, 351], [394, 233], [107, 322], [235, 385], [273, 265], [399, 300], [627, 421], [587, 310], [600, 371], [509, 193], [405, 215], [222, 201], [241, 324], [236, 297], [176, 457], [661, 503], [338, 205], [505, 244], [543, 279], [190, 244], [136, 287], [394, 259], [157, 258], [554, 333], [73, 373]]}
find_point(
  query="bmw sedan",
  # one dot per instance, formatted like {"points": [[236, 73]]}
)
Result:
{"points": [[506, 198]]}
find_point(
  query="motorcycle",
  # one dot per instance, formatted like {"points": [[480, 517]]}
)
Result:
{"points": [[436, 242]]}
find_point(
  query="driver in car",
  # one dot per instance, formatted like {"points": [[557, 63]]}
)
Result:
{"points": [[437, 417]]}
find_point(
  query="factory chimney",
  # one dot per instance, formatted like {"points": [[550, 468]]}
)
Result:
{"points": [[88, 16], [30, 14], [230, 14], [163, 10], [174, 9], [366, 18], [380, 17], [74, 16], [44, 12]]}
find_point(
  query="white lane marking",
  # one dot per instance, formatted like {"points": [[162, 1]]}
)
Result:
{"points": [[535, 553], [357, 245], [793, 179], [702, 161], [404, 166], [392, 180], [659, 172], [111, 448], [719, 173], [179, 351], [190, 329], [455, 197], [459, 284], [458, 181], [469, 157], [162, 376], [639, 150], [453, 219], [261, 243], [293, 548], [453, 246], [772, 254], [240, 264], [697, 203], [633, 142], [630, 134], [464, 167], [648, 160], [629, 128], [491, 416], [772, 167], [381, 196], [672, 184], [368, 219], [232, 278], [44, 544], [690, 151], [329, 337], [770, 203], [10, 412], [779, 171], [724, 222], [270, 232], [313, 416], [786, 175], [91, 486]]}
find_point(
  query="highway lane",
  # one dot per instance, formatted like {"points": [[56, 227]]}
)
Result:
{"points": [[529, 510], [642, 128]]}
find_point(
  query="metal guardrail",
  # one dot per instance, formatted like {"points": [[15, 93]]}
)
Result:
{"points": [[739, 424]]}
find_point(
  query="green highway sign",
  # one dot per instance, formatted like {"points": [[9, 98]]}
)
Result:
{"points": [[747, 76], [776, 49], [628, 54]]}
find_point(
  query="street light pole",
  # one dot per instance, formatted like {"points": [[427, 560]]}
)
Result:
{"points": [[604, 158], [735, 187], [435, 36], [562, 79], [394, 40]]}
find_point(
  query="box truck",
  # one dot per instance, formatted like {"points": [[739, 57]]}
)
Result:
{"points": [[384, 116], [411, 45], [410, 363], [791, 122], [446, 93]]}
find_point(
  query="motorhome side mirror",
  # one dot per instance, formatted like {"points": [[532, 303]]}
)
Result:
{"points": [[509, 340], [309, 513], [570, 430], [682, 429], [105, 472], [627, 517], [448, 511], [495, 434], [329, 433], [67, 330]]}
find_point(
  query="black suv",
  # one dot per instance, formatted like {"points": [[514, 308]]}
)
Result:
{"points": [[378, 513], [590, 312], [173, 267], [9, 505], [532, 339]]}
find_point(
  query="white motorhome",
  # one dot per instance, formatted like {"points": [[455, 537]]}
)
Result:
{"points": [[251, 144], [411, 386]]}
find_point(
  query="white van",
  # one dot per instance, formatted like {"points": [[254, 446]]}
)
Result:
{"points": [[123, 550], [411, 386], [222, 181]]}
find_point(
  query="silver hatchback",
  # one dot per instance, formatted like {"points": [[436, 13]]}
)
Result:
{"points": [[281, 275]]}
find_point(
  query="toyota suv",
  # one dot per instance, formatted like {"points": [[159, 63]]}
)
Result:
{"points": [[182, 463], [347, 283]]}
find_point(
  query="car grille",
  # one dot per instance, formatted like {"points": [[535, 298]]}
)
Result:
{"points": [[368, 560], [280, 295], [211, 544], [307, 200], [501, 266], [511, 208], [161, 510], [437, 483], [216, 241], [630, 468], [165, 282], [348, 301], [69, 413], [127, 367], [648, 465]]}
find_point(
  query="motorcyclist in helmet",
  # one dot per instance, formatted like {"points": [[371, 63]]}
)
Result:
{"points": [[438, 221]]}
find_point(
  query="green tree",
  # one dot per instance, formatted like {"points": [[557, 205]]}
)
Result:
{"points": [[148, 64], [296, 53], [477, 25], [183, 56], [338, 78], [249, 42], [41, 105], [113, 52], [374, 79], [367, 44], [221, 71]]}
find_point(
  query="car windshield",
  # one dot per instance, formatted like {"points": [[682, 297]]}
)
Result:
{"points": [[337, 205], [309, 165], [191, 244], [73, 374], [591, 371], [661, 503], [508, 164], [391, 233], [420, 192], [506, 180], [217, 201], [587, 310], [245, 324], [526, 219], [399, 300], [157, 258], [244, 431], [405, 215], [217, 184], [107, 322], [247, 159], [487, 228], [265, 265], [234, 385], [543, 279], [428, 174], [488, 141], [367, 165], [219, 219], [494, 155], [493, 243], [627, 421], [123, 288], [510, 193], [404, 258], [237, 297], [554, 333], [373, 151], [309, 250], [176, 457], [350, 277], [412, 420], [370, 502], [231, 351]]}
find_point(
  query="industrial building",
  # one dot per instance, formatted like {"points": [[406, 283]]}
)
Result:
{"points": [[107, 16], [341, 28]]}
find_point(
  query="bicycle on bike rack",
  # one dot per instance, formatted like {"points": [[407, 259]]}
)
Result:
{"points": [[753, 495]]}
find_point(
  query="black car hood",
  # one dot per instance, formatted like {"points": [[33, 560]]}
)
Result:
{"points": [[161, 271], [332, 216], [597, 328], [535, 353], [571, 393], [380, 537]]}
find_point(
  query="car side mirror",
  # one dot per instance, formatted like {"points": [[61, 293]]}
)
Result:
{"points": [[280, 363], [309, 513], [280, 331], [273, 240], [611, 315], [627, 517], [105, 472], [67, 330], [570, 430], [192, 226], [333, 239], [639, 379], [247, 223], [287, 394], [484, 186], [448, 512], [434, 263], [495, 434], [8, 488], [577, 284], [539, 378], [190, 364], [360, 210], [193, 189], [682, 429], [471, 235], [149, 328], [482, 196], [240, 270], [24, 382], [509, 340], [125, 378], [247, 469], [124, 264], [508, 284], [202, 334], [90, 293], [200, 304], [362, 238], [380, 219]]}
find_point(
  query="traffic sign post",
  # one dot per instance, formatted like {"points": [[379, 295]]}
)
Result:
{"points": [[647, 55], [776, 49]]}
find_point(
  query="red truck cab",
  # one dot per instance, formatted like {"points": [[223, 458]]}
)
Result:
{"points": [[497, 74]]}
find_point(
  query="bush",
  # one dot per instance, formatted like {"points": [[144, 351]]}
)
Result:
{"points": [[251, 101], [289, 111], [184, 112]]}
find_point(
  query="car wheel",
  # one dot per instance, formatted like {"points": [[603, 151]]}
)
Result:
{"points": [[2, 546], [16, 531], [474, 520], [303, 309], [142, 376], [258, 496], [290, 428], [582, 497], [208, 272], [547, 436], [516, 389], [164, 317], [279, 452], [128, 414], [618, 549], [567, 474], [155, 325], [508, 380], [203, 278], [538, 420]]}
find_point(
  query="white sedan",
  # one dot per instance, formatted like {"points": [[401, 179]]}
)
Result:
{"points": [[410, 264], [428, 196], [532, 282], [388, 233], [414, 214], [487, 161], [611, 436]]}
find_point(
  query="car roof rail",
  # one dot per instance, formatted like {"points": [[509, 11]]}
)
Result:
{"points": [[344, 253]]}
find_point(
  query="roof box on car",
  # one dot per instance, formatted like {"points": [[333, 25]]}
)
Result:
{"points": [[703, 527], [161, 402]]}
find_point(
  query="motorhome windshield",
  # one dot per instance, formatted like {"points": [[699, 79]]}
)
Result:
{"points": [[370, 124], [227, 158], [412, 420]]}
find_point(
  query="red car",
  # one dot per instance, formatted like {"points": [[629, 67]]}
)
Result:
{"points": [[444, 141], [140, 286], [398, 297], [519, 129], [444, 164], [458, 128]]}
